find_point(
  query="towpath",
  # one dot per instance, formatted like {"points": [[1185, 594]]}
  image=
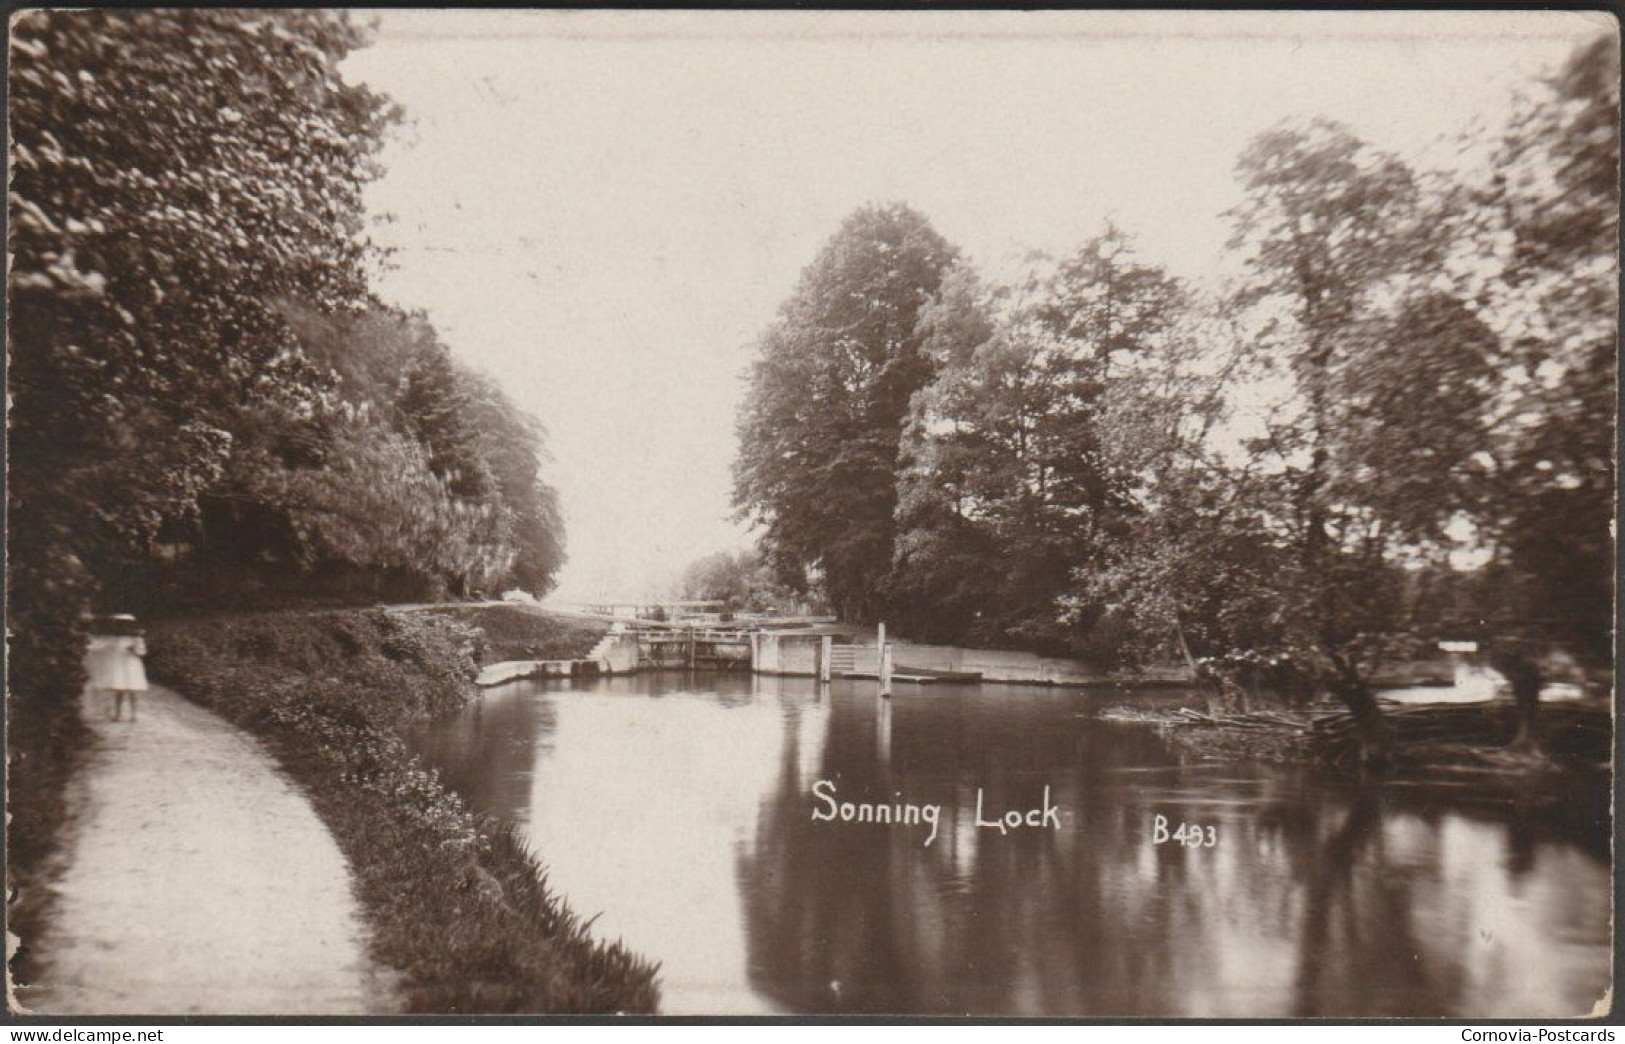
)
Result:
{"points": [[198, 880]]}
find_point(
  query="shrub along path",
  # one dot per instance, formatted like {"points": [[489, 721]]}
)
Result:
{"points": [[197, 879]]}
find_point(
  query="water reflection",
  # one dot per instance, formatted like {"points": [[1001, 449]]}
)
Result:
{"points": [[680, 808]]}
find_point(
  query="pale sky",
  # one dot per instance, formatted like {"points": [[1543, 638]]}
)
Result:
{"points": [[603, 209]]}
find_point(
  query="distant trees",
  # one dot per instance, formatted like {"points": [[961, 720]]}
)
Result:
{"points": [[195, 360], [741, 579], [821, 423], [512, 445]]}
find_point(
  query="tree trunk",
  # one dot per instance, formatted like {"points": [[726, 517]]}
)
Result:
{"points": [[1376, 741], [1518, 666]]}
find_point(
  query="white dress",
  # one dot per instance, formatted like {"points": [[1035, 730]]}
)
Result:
{"points": [[115, 662]]}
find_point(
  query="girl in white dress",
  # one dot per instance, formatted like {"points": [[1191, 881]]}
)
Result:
{"points": [[116, 649]]}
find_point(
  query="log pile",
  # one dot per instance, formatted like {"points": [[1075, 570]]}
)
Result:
{"points": [[1456, 736], [1259, 735], [1250, 720], [1574, 732]]}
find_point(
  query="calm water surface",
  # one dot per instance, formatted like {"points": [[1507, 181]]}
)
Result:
{"points": [[680, 809]]}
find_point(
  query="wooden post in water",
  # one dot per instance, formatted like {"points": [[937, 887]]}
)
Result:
{"points": [[885, 663], [826, 651]]}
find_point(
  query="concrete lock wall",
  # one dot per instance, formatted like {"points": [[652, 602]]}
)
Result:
{"points": [[996, 665], [617, 653], [798, 657], [785, 653], [797, 654]]}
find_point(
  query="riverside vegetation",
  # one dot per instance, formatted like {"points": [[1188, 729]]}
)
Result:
{"points": [[454, 901], [1392, 426], [510, 632], [210, 409]]}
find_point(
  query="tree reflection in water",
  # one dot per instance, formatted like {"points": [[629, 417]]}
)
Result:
{"points": [[1309, 906], [681, 808]]}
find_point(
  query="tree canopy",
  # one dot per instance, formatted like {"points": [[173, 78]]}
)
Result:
{"points": [[820, 426], [199, 375], [1275, 480]]}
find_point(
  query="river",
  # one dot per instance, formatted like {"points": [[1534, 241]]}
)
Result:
{"points": [[680, 809]]}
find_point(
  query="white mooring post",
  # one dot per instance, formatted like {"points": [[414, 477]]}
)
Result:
{"points": [[826, 650], [885, 662]]}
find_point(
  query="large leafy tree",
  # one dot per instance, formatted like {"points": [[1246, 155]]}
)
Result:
{"points": [[1337, 242], [439, 412], [1009, 488], [1548, 227], [821, 422], [511, 445], [175, 174], [1189, 569], [375, 515], [465, 511], [945, 564]]}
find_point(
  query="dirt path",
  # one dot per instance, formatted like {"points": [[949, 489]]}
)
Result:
{"points": [[197, 879]]}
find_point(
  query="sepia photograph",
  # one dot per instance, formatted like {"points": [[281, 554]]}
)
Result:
{"points": [[1069, 514]]}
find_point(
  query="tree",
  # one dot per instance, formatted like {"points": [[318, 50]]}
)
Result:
{"points": [[466, 512], [512, 447], [1330, 232], [741, 579], [1547, 234], [820, 425], [1191, 569], [1009, 488], [435, 402], [174, 175], [945, 565]]}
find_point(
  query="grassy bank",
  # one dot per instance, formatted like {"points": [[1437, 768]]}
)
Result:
{"points": [[514, 632], [456, 903]]}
